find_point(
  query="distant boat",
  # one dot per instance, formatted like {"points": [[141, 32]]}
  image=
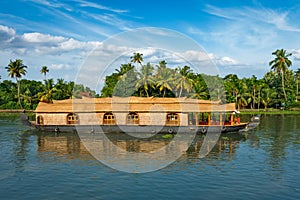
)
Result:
{"points": [[138, 114], [254, 122]]}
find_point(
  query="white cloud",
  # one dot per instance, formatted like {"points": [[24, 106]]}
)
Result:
{"points": [[225, 61], [70, 58], [101, 21], [295, 54], [243, 38], [111, 20], [98, 6], [6, 34], [49, 3], [40, 38], [279, 18], [60, 66], [42, 44]]}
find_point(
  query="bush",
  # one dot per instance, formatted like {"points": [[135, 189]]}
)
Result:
{"points": [[295, 104]]}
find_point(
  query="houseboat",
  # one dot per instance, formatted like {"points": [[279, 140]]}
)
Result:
{"points": [[138, 115]]}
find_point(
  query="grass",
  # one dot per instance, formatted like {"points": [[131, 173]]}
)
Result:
{"points": [[270, 111], [30, 115]]}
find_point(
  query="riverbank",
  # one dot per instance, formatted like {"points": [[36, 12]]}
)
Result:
{"points": [[269, 111], [15, 111]]}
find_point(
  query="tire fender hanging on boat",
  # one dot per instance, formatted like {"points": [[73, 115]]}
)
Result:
{"points": [[170, 130], [223, 128], [203, 130], [56, 130]]}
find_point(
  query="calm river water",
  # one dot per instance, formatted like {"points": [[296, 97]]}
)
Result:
{"points": [[261, 164]]}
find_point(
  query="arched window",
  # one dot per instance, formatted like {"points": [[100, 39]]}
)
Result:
{"points": [[40, 120], [172, 119], [72, 118], [109, 119], [132, 118]]}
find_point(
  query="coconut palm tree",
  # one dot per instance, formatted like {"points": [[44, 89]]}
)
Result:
{"points": [[267, 94], [48, 93], [280, 65], [16, 69], [162, 65], [127, 78], [231, 84], [137, 58], [184, 80], [44, 71], [297, 74], [165, 80], [200, 90], [145, 78]]}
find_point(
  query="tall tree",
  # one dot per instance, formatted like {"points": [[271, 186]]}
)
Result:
{"points": [[44, 71], [165, 80], [184, 80], [137, 58], [200, 90], [297, 75], [280, 65], [127, 78], [48, 93], [16, 69], [145, 78]]}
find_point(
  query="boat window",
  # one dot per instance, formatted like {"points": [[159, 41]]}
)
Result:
{"points": [[133, 118], [72, 118], [40, 120], [172, 119], [109, 119]]}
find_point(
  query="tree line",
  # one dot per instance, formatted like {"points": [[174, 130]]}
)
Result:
{"points": [[279, 87], [26, 94]]}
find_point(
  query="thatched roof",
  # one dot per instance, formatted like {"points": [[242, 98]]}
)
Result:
{"points": [[133, 104]]}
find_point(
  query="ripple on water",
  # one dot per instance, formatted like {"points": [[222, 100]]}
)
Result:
{"points": [[265, 165]]}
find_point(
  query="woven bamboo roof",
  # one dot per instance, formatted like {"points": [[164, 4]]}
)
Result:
{"points": [[133, 104]]}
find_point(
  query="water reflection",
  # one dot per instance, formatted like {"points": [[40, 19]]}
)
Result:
{"points": [[262, 164], [70, 144], [279, 138]]}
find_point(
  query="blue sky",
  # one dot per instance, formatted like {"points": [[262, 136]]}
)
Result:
{"points": [[238, 36]]}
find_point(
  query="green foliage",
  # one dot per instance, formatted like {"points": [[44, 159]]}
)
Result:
{"points": [[32, 92], [161, 81], [280, 65], [156, 81], [16, 69]]}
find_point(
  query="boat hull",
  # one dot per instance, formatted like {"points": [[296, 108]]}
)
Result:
{"points": [[140, 129]]}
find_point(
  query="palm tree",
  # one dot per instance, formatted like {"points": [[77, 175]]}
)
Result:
{"points": [[44, 71], [162, 65], [297, 73], [267, 94], [184, 80], [48, 93], [241, 94], [231, 83], [127, 78], [137, 58], [145, 78], [165, 79], [16, 69], [199, 88], [27, 98], [280, 65]]}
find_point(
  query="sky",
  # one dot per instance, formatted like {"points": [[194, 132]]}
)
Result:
{"points": [[238, 37]]}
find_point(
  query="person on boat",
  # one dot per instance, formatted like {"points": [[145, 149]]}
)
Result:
{"points": [[237, 120]]}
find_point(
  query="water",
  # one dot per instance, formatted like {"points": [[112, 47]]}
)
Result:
{"points": [[262, 164]]}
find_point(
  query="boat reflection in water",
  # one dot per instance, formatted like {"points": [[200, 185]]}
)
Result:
{"points": [[127, 152]]}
